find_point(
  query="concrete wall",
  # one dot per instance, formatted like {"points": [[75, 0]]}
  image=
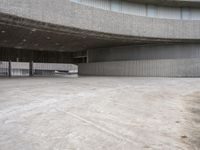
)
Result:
{"points": [[148, 10], [68, 14], [180, 60], [144, 68]]}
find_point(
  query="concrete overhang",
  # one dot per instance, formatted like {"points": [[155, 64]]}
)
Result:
{"points": [[21, 33]]}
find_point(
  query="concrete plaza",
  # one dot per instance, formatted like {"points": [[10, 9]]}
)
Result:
{"points": [[99, 113]]}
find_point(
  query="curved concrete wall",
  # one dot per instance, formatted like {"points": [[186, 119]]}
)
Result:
{"points": [[68, 14], [147, 10]]}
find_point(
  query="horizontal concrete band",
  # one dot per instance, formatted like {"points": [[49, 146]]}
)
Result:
{"points": [[68, 14], [192, 3], [144, 68], [146, 9]]}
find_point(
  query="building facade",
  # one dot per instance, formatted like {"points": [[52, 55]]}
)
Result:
{"points": [[105, 37]]}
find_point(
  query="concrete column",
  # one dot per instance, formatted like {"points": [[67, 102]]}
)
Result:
{"points": [[31, 68], [10, 69], [87, 56]]}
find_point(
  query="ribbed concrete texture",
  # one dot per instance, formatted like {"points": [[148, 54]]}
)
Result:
{"points": [[145, 68], [144, 9]]}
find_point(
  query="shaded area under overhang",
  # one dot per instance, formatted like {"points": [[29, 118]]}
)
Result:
{"points": [[21, 33]]}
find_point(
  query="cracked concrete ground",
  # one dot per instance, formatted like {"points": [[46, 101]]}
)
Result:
{"points": [[100, 113]]}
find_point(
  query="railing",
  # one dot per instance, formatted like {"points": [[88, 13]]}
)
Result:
{"points": [[29, 69], [4, 68]]}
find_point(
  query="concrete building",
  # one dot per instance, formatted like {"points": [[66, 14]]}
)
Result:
{"points": [[104, 37]]}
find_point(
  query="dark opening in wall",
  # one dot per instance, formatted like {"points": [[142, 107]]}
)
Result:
{"points": [[44, 62], [23, 55]]}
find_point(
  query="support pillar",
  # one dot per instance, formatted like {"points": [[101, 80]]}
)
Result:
{"points": [[9, 69], [87, 56], [31, 68]]}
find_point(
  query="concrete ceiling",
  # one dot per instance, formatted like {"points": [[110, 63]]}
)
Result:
{"points": [[38, 39], [31, 38]]}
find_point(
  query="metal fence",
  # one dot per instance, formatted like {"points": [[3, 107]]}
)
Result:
{"points": [[27, 69], [4, 68]]}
